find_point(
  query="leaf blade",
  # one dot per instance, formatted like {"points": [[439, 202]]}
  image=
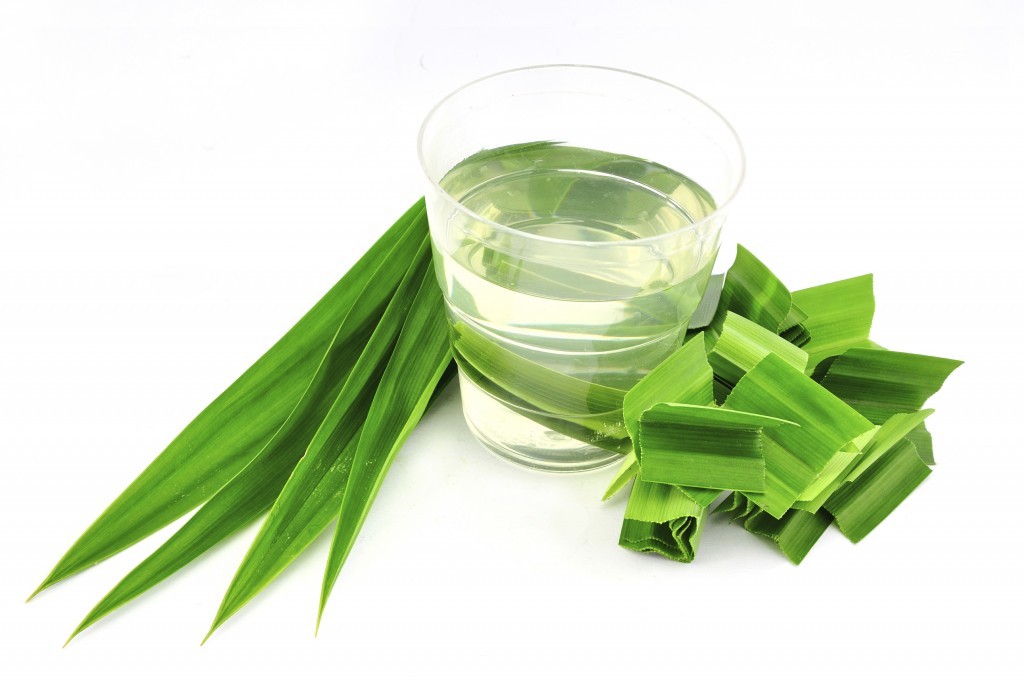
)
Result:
{"points": [[213, 448], [310, 498], [839, 316], [253, 490], [420, 358]]}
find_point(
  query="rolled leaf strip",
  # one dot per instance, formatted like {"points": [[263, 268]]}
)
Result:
{"points": [[661, 519], [794, 534]]}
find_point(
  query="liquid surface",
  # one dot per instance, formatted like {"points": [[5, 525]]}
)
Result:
{"points": [[585, 287]]}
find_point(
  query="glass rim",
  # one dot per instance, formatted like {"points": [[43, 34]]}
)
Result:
{"points": [[719, 210]]}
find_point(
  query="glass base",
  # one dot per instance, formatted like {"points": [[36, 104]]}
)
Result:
{"points": [[523, 441]]}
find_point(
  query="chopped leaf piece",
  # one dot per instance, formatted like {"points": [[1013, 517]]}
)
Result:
{"points": [[795, 534], [702, 497], [794, 319], [705, 312], [704, 447], [839, 316], [860, 505], [922, 440], [662, 519], [743, 343], [685, 377], [878, 442], [888, 435], [879, 383], [795, 457], [738, 506], [755, 293]]}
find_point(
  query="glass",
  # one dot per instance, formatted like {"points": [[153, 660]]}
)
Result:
{"points": [[575, 214]]}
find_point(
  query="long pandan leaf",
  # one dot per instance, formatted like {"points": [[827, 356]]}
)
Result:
{"points": [[419, 361], [235, 427], [703, 447], [310, 499], [799, 461], [251, 492], [536, 385], [684, 377], [660, 518], [839, 316]]}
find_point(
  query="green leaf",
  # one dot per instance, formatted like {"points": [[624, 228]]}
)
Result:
{"points": [[627, 470], [755, 293], [704, 447], [420, 358], [860, 505], [702, 497], [585, 428], [879, 383], [708, 306], [662, 519], [799, 461], [684, 377], [794, 534], [922, 440], [237, 425], [312, 495], [742, 344], [891, 433], [878, 443], [252, 491], [839, 316], [561, 395]]}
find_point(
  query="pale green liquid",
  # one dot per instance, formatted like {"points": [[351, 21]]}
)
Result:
{"points": [[549, 317]]}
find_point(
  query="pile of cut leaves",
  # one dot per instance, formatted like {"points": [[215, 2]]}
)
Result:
{"points": [[782, 400], [779, 398]]}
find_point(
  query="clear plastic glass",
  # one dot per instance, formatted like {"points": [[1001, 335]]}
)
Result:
{"points": [[575, 214]]}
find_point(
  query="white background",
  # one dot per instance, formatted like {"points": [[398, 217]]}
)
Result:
{"points": [[180, 181]]}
